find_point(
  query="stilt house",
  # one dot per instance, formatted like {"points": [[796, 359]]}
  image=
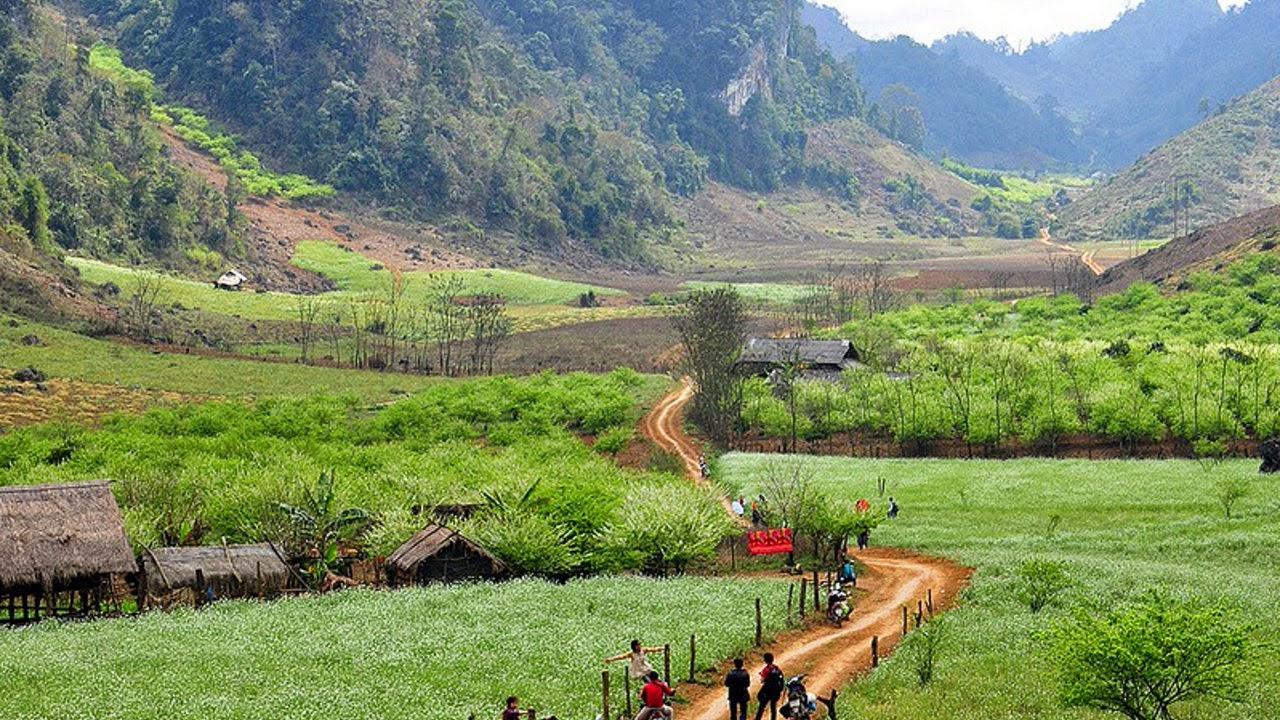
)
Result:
{"points": [[61, 546]]}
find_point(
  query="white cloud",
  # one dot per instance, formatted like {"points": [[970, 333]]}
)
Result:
{"points": [[1018, 20]]}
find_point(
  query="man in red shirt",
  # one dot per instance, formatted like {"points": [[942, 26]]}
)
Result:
{"points": [[653, 696]]}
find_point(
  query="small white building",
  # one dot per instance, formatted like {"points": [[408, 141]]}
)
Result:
{"points": [[230, 280]]}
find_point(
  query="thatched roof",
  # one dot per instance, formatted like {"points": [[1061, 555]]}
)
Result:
{"points": [[229, 569], [60, 536], [431, 541], [775, 351]]}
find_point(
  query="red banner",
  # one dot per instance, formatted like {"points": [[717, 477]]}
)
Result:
{"points": [[769, 542]]}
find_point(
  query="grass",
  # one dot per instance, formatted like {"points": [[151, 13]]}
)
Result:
{"points": [[66, 354], [534, 302], [1121, 527], [435, 652]]}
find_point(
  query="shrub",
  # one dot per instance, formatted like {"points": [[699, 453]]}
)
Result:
{"points": [[1140, 659], [1040, 582]]}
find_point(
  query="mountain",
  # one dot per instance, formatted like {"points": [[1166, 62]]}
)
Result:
{"points": [[1086, 72], [81, 170], [1225, 166], [966, 113], [567, 126], [1156, 71]]}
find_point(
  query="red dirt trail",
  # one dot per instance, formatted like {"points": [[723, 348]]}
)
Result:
{"points": [[893, 579]]}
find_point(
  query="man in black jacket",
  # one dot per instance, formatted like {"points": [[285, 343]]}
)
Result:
{"points": [[738, 681]]}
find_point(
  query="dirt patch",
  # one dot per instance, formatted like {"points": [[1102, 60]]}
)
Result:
{"points": [[598, 346]]}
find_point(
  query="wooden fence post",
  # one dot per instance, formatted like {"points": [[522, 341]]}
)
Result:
{"points": [[919, 612], [604, 694], [759, 624], [791, 590], [804, 596], [626, 685], [666, 663], [830, 703], [929, 602], [533, 714], [904, 620], [693, 653], [816, 607]]}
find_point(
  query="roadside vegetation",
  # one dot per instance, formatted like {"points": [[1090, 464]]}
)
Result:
{"points": [[1111, 532]]}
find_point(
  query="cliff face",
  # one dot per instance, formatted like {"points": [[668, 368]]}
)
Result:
{"points": [[766, 54]]}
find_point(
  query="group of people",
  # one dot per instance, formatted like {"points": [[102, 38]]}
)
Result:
{"points": [[740, 507], [654, 692]]}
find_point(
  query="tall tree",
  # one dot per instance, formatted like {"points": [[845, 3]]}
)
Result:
{"points": [[712, 327]]}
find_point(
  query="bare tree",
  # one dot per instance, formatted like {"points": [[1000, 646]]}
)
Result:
{"points": [[448, 320], [306, 311], [145, 301], [711, 326], [489, 325]]}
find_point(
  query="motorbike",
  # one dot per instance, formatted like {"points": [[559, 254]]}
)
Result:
{"points": [[800, 704], [837, 606]]}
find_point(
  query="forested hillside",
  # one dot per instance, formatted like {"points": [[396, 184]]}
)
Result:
{"points": [[565, 124], [1226, 166], [82, 169]]}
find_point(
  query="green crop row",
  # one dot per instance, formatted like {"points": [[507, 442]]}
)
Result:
{"points": [[551, 505]]}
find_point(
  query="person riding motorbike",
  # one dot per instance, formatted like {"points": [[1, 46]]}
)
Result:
{"points": [[837, 604]]}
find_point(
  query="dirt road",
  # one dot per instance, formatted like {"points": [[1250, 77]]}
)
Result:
{"points": [[664, 424], [893, 579], [1085, 257]]}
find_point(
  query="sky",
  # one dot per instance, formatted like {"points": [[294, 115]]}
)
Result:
{"points": [[1018, 20]]}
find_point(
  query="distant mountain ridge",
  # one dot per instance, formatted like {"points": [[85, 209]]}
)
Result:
{"points": [[967, 114], [1154, 72]]}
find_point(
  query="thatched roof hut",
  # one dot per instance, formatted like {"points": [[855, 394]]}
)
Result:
{"points": [[438, 554], [228, 570], [60, 537]]}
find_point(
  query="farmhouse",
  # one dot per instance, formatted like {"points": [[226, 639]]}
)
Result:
{"points": [[192, 574], [814, 358], [438, 554], [230, 280], [60, 546]]}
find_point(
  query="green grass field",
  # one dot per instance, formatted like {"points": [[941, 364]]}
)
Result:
{"points": [[422, 654], [1121, 526], [358, 278], [69, 355]]}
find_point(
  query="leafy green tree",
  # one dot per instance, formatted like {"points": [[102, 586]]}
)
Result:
{"points": [[1141, 659]]}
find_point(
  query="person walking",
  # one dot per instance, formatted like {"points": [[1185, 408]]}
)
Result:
{"points": [[653, 698], [738, 681], [893, 508], [638, 667], [771, 685], [736, 506]]}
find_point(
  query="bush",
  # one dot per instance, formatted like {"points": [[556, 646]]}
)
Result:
{"points": [[611, 441], [1142, 658], [665, 529], [1040, 582]]}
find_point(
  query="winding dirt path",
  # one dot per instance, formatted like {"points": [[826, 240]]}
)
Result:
{"points": [[1085, 257], [831, 657]]}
